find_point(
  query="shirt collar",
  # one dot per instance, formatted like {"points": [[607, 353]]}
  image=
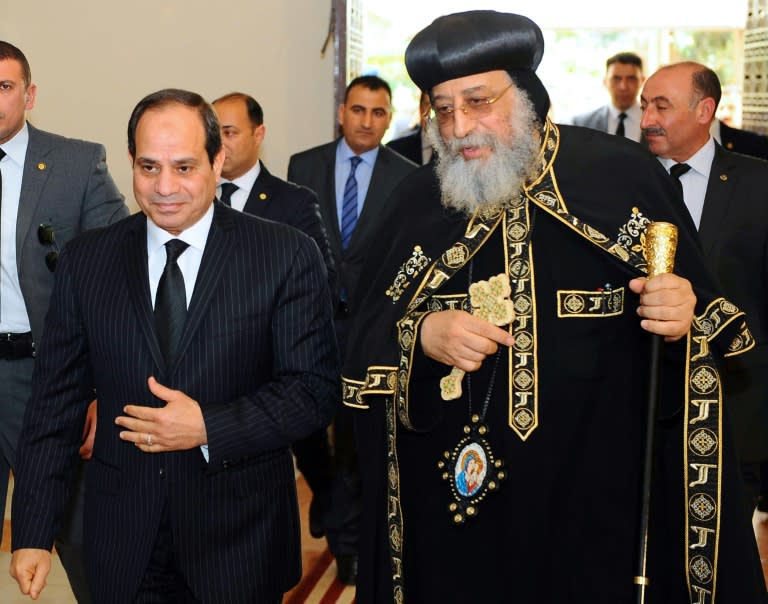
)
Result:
{"points": [[246, 181], [633, 112], [16, 148], [195, 236], [700, 162], [345, 152]]}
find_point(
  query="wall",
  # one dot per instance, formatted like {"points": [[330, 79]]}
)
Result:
{"points": [[93, 61]]}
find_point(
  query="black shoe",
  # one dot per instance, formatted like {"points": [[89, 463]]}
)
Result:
{"points": [[346, 569], [317, 512]]}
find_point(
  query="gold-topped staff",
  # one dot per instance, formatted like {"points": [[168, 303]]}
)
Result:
{"points": [[659, 251]]}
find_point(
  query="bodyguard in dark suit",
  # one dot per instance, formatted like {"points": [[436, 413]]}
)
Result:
{"points": [[53, 188], [247, 185], [623, 79], [190, 493], [357, 169], [726, 196]]}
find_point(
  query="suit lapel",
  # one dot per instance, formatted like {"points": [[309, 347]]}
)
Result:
{"points": [[716, 201], [603, 125], [261, 195], [327, 196], [218, 251], [37, 167], [378, 190], [137, 283]]}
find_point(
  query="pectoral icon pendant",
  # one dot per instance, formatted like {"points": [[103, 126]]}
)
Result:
{"points": [[472, 471]]}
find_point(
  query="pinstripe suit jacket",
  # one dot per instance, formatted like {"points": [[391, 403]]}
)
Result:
{"points": [[257, 352]]}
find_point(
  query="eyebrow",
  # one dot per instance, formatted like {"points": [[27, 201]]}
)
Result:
{"points": [[655, 99], [467, 91], [361, 106], [174, 162]]}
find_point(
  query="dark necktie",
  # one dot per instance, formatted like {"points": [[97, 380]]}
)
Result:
{"points": [[227, 189], [620, 127], [677, 171], [171, 302], [349, 204]]}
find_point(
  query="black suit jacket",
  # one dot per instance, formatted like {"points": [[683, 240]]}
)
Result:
{"points": [[258, 354], [743, 141], [281, 201], [315, 168], [409, 146], [734, 237]]}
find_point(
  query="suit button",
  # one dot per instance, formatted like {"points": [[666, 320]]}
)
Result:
{"points": [[225, 464], [162, 472]]}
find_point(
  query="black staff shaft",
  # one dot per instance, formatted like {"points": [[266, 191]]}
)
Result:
{"points": [[654, 381], [659, 249]]}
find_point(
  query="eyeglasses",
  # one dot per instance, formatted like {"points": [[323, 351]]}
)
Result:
{"points": [[474, 108], [47, 237]]}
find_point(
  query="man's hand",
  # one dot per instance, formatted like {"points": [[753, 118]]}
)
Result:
{"points": [[459, 339], [30, 567], [89, 432], [667, 303], [176, 427]]}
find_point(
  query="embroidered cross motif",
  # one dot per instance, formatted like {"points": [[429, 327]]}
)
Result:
{"points": [[490, 301]]}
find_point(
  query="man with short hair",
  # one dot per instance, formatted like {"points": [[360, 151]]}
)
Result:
{"points": [[53, 188], [208, 336], [623, 80], [248, 186], [508, 318], [352, 176], [725, 195]]}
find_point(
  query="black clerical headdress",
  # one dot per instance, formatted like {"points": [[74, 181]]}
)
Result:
{"points": [[463, 44]]}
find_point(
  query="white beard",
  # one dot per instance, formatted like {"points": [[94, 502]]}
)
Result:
{"points": [[467, 185]]}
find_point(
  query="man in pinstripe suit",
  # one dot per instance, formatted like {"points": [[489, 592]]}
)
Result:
{"points": [[190, 495]]}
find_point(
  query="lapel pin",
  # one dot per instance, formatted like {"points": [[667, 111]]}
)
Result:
{"points": [[262, 196], [723, 177], [41, 166]]}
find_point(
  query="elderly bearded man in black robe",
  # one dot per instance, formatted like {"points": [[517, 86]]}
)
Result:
{"points": [[551, 410]]}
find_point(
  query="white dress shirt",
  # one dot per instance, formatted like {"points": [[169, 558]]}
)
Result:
{"points": [[695, 180], [631, 122], [13, 310], [244, 185]]}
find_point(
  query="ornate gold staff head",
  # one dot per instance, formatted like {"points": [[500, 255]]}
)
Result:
{"points": [[660, 247]]}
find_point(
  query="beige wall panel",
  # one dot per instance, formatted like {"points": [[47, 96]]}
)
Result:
{"points": [[93, 61]]}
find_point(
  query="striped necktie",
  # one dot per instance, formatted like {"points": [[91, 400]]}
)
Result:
{"points": [[349, 204]]}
